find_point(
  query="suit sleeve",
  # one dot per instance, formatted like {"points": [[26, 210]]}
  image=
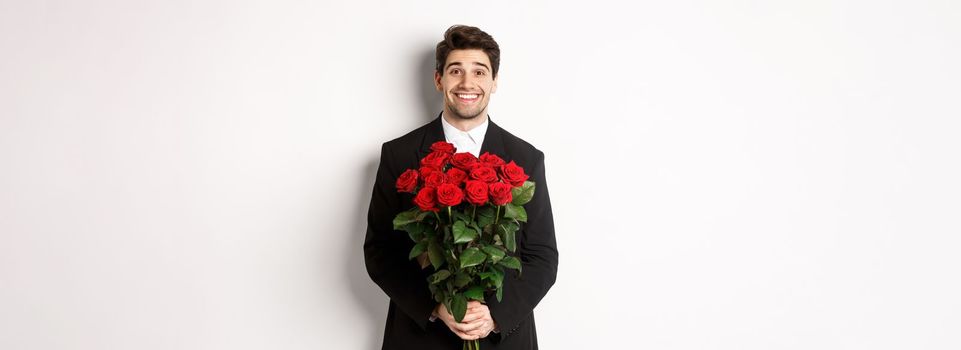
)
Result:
{"points": [[386, 250], [537, 249]]}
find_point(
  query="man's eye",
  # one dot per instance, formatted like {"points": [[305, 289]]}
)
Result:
{"points": [[455, 71], [480, 72]]}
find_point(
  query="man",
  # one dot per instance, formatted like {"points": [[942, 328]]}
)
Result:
{"points": [[466, 74]]}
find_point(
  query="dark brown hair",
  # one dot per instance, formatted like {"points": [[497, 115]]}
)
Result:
{"points": [[461, 37]]}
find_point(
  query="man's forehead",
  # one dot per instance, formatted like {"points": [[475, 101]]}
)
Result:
{"points": [[468, 57]]}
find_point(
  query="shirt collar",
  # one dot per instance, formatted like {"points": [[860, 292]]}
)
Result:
{"points": [[476, 134]]}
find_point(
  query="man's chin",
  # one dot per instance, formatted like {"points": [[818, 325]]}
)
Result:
{"points": [[466, 115]]}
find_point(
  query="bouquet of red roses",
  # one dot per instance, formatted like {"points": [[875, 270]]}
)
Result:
{"points": [[464, 223]]}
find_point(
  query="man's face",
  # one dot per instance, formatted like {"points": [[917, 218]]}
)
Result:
{"points": [[467, 83]]}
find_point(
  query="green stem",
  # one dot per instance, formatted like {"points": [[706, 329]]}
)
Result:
{"points": [[498, 215], [450, 216]]}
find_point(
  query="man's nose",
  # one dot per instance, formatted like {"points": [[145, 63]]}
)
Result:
{"points": [[467, 80]]}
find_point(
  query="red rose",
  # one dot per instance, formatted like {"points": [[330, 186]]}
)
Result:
{"points": [[435, 160], [434, 178], [476, 192], [407, 181], [449, 195], [491, 160], [500, 193], [456, 176], [513, 174], [424, 171], [483, 173], [441, 146], [426, 199], [464, 161]]}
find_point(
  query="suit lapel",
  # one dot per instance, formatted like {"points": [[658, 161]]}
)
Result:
{"points": [[434, 133], [493, 139]]}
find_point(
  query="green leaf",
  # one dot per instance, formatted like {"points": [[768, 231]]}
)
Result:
{"points": [[451, 257], [485, 216], [507, 233], [511, 263], [458, 215], [461, 279], [497, 277], [417, 250], [458, 307], [516, 212], [523, 194], [495, 253], [415, 231], [500, 293], [404, 218], [462, 233], [438, 276], [472, 257], [421, 215], [435, 254], [475, 293]]}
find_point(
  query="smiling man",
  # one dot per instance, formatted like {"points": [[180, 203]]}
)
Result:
{"points": [[466, 74], [467, 82]]}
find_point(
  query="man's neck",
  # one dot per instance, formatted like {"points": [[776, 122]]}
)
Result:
{"points": [[465, 124]]}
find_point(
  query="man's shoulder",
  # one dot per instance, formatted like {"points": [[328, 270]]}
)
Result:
{"points": [[518, 146]]}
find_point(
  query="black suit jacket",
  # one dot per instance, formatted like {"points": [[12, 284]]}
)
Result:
{"points": [[386, 250]]}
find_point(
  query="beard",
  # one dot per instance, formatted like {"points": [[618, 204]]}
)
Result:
{"points": [[467, 113]]}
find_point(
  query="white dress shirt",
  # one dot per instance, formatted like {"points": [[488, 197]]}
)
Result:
{"points": [[466, 141]]}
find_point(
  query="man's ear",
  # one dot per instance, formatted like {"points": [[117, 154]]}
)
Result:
{"points": [[437, 82]]}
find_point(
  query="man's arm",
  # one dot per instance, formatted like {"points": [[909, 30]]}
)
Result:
{"points": [[537, 249], [386, 250]]}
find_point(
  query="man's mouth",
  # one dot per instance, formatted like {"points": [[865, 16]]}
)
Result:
{"points": [[467, 97]]}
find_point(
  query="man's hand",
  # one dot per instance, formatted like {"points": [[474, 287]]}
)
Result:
{"points": [[477, 322]]}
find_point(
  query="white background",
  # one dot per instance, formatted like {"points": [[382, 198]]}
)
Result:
{"points": [[725, 175]]}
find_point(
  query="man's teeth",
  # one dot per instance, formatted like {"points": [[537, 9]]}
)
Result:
{"points": [[467, 96]]}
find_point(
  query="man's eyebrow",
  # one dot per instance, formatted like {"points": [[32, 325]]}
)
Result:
{"points": [[460, 64]]}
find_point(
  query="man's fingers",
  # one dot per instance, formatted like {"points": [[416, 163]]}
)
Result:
{"points": [[480, 309], [476, 323], [477, 330], [482, 331], [468, 318], [478, 327], [471, 317], [455, 328], [473, 305], [463, 335], [465, 327]]}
